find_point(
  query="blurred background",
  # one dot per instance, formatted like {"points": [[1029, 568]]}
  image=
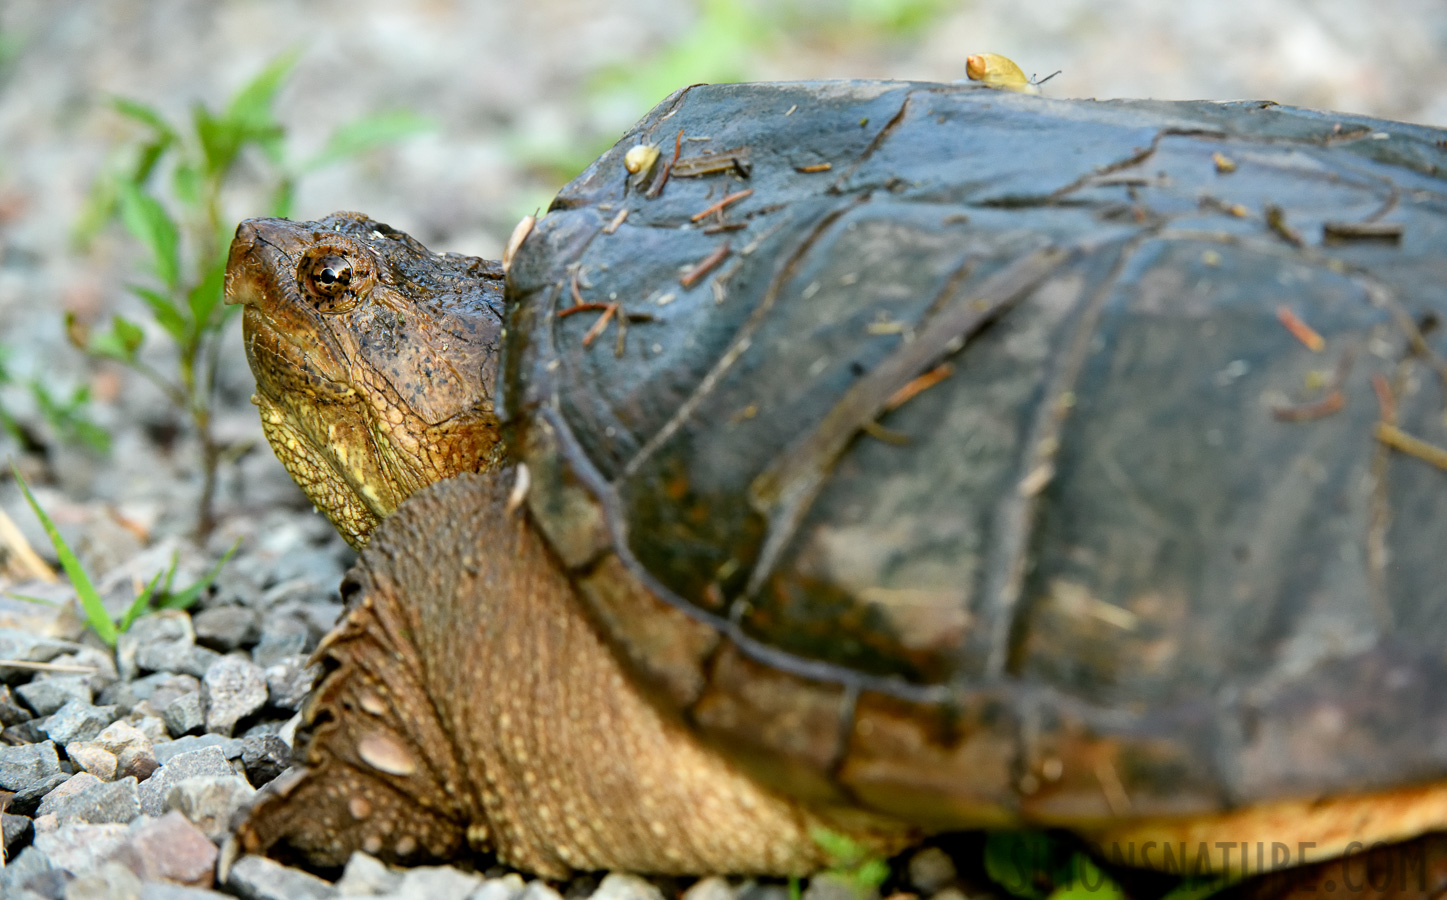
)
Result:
{"points": [[135, 133]]}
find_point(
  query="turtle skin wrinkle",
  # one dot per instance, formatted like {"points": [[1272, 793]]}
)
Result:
{"points": [[467, 703]]}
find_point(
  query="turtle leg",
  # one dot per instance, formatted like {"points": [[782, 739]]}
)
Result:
{"points": [[470, 704]]}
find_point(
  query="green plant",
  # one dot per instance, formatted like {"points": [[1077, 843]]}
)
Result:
{"points": [[856, 865], [66, 417], [90, 601], [169, 195]]}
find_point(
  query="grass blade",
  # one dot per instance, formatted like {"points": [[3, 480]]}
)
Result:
{"points": [[95, 611]]}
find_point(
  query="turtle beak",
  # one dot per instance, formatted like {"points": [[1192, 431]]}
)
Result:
{"points": [[246, 262]]}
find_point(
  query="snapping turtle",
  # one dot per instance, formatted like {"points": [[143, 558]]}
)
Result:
{"points": [[887, 458]]}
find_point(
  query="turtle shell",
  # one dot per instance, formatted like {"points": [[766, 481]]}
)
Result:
{"points": [[980, 457]]}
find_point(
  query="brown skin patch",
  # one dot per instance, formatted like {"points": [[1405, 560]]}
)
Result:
{"points": [[454, 717], [374, 359]]}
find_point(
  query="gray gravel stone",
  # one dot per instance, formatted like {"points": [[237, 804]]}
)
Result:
{"points": [[170, 849], [210, 801], [154, 643], [265, 757], [26, 647], [931, 869], [81, 847], [80, 781], [620, 886], [160, 890], [830, 886], [156, 690], [25, 801], [437, 883], [112, 881], [134, 753], [77, 720], [368, 876], [185, 714], [509, 887], [19, 872], [753, 890], [197, 660], [92, 758], [28, 764], [225, 628], [206, 761], [11, 712], [710, 888], [288, 681], [96, 804], [258, 878], [230, 747], [47, 695], [539, 890], [281, 637], [15, 831], [233, 689]]}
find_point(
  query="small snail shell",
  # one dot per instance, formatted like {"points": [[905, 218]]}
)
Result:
{"points": [[640, 158], [994, 70]]}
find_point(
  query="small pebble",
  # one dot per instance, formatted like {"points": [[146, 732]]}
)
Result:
{"points": [[206, 761], [112, 881], [73, 785], [185, 715], [155, 643], [47, 695], [226, 628], [11, 712], [259, 878], [230, 747], [80, 847], [233, 689], [15, 832], [27, 764], [19, 873], [711, 888], [93, 759], [210, 801], [620, 886], [931, 869], [281, 637], [77, 720], [507, 887], [288, 681], [97, 803], [265, 757], [368, 876], [172, 849], [436, 883]]}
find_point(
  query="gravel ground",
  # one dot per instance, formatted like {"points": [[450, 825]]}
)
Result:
{"points": [[126, 768]]}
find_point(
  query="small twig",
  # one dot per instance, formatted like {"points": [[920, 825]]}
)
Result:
{"points": [[1300, 330], [888, 436], [657, 189], [27, 562], [918, 385], [1398, 439], [617, 220], [704, 266], [47, 667], [582, 307], [1276, 221], [602, 323], [816, 167], [1385, 401], [1331, 403], [718, 207]]}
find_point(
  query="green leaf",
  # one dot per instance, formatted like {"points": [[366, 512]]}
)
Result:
{"points": [[146, 115], [206, 296], [188, 597], [26, 598], [284, 197], [1087, 881], [143, 600], [186, 182], [120, 343], [251, 105], [367, 133], [147, 219], [1025, 863], [165, 312], [95, 611], [220, 140]]}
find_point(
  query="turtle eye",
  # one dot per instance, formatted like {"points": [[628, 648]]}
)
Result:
{"points": [[333, 281]]}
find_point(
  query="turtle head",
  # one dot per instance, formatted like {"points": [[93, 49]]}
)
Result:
{"points": [[375, 359]]}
